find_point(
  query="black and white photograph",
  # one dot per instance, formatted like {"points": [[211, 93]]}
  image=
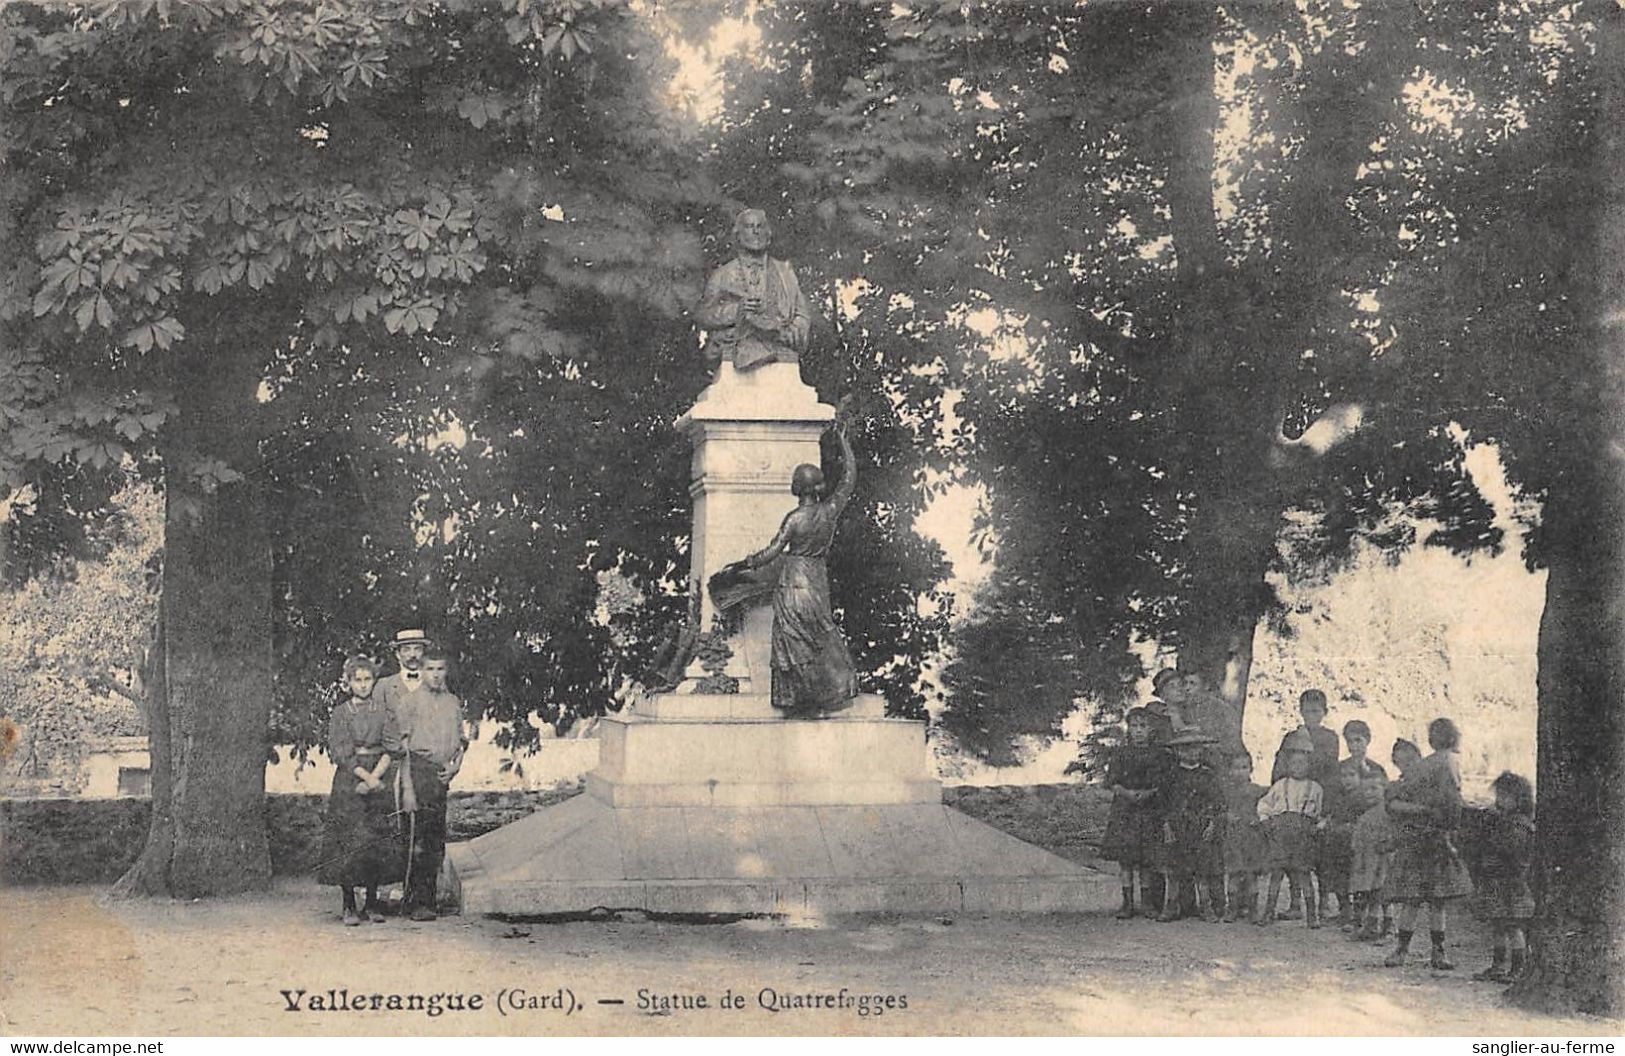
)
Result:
{"points": [[812, 518]]}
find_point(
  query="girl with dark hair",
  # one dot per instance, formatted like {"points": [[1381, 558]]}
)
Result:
{"points": [[1502, 896], [359, 845], [1134, 773], [1425, 808]]}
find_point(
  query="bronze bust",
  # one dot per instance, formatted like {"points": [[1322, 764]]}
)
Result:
{"points": [[753, 308]]}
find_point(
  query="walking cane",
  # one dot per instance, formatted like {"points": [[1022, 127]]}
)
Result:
{"points": [[406, 800]]}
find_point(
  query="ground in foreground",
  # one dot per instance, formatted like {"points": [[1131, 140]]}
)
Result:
{"points": [[72, 965]]}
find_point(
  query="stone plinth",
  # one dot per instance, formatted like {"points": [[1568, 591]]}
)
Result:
{"points": [[743, 762], [750, 431], [708, 803], [713, 808]]}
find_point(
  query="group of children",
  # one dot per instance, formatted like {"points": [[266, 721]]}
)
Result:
{"points": [[1190, 825], [396, 743]]}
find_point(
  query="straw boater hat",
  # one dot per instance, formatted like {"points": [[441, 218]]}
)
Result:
{"points": [[1298, 741], [1190, 736], [410, 636]]}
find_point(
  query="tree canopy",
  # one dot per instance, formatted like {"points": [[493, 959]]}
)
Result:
{"points": [[392, 300], [448, 250], [1178, 270]]}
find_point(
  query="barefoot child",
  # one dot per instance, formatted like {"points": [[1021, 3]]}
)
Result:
{"points": [[1502, 896], [1192, 801], [1426, 809], [1244, 848], [360, 847], [1134, 826], [1289, 812]]}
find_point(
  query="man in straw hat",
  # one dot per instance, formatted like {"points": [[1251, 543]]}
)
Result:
{"points": [[409, 645]]}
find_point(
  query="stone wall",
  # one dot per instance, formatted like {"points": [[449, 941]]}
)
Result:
{"points": [[1067, 819], [71, 841], [65, 841]]}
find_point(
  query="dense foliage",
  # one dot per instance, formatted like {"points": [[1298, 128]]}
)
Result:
{"points": [[1180, 271], [446, 253], [72, 643]]}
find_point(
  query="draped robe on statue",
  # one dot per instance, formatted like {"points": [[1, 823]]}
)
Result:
{"points": [[775, 334], [812, 670]]}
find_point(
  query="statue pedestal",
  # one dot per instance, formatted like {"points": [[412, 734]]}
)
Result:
{"points": [[750, 431], [746, 761], [712, 804]]}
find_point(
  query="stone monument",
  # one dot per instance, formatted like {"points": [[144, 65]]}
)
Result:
{"points": [[710, 802]]}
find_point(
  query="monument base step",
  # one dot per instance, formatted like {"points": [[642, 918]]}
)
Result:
{"points": [[742, 762], [585, 854], [762, 793]]}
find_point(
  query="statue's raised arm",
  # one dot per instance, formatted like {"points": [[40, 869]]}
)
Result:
{"points": [[849, 469]]}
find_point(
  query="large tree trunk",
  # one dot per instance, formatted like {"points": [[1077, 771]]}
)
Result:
{"points": [[1239, 348], [209, 707], [1577, 955], [1224, 450], [1578, 944]]}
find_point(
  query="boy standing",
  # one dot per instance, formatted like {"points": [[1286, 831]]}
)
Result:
{"points": [[1323, 751], [1163, 705], [1204, 708], [1289, 812], [1191, 801], [431, 726], [1357, 735], [1323, 759]]}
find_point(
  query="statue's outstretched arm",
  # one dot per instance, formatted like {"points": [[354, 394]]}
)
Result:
{"points": [[849, 468], [774, 548]]}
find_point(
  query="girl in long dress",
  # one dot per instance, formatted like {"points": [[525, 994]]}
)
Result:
{"points": [[1133, 836], [812, 670], [360, 847], [1425, 808]]}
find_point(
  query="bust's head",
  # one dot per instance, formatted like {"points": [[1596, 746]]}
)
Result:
{"points": [[752, 231]]}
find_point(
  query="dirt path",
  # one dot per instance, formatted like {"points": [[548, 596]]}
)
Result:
{"points": [[70, 965]]}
